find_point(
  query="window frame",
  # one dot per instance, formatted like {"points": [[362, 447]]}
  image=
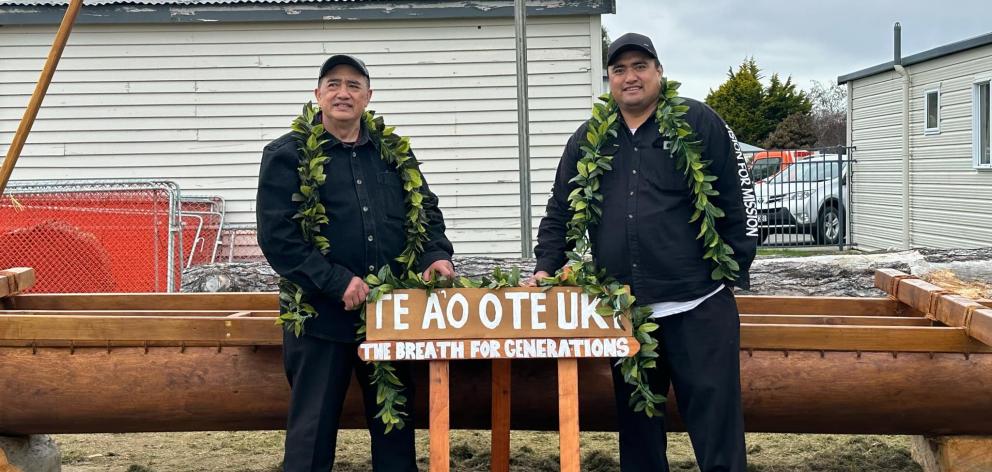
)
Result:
{"points": [[976, 122], [927, 130]]}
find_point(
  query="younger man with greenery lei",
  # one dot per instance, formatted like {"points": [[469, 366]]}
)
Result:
{"points": [[654, 189]]}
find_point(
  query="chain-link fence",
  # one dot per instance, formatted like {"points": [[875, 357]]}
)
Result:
{"points": [[803, 196], [239, 243], [203, 223], [94, 236]]}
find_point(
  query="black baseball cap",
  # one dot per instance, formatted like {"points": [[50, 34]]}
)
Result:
{"points": [[628, 42], [339, 59]]}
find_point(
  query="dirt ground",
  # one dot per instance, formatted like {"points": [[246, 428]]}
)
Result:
{"points": [[260, 451]]}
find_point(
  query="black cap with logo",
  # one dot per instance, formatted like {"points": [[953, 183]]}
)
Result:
{"points": [[628, 42]]}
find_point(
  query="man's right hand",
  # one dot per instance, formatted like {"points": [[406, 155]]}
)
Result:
{"points": [[534, 279], [355, 294]]}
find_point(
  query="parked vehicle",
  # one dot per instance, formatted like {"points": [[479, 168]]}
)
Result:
{"points": [[805, 198], [766, 164]]}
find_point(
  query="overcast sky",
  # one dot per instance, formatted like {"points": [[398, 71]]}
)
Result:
{"points": [[698, 40]]}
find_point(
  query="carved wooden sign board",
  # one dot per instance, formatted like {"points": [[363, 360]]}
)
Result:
{"points": [[476, 323]]}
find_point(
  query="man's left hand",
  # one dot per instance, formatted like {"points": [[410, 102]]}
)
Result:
{"points": [[442, 268]]}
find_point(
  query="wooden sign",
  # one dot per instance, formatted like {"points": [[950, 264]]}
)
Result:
{"points": [[497, 324], [475, 323], [476, 313], [518, 348]]}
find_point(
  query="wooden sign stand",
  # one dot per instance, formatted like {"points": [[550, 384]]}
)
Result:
{"points": [[568, 416], [453, 324]]}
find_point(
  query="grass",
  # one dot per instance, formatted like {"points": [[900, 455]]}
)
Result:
{"points": [[260, 451]]}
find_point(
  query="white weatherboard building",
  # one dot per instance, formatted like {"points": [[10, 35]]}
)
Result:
{"points": [[923, 174], [191, 91]]}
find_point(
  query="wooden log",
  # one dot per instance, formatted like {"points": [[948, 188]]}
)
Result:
{"points": [[58, 390], [953, 453], [15, 280], [568, 415]]}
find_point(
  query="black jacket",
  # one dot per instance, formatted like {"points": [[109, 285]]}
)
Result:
{"points": [[644, 238], [364, 199]]}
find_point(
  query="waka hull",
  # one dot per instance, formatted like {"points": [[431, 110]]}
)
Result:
{"points": [[130, 389]]}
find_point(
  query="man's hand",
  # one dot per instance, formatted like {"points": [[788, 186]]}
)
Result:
{"points": [[355, 294], [442, 268], [534, 279]]}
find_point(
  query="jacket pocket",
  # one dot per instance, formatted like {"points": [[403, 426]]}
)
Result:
{"points": [[391, 195], [661, 170]]}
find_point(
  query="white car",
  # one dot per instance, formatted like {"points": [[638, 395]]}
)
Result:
{"points": [[805, 198]]}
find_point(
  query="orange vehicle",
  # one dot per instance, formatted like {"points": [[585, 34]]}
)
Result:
{"points": [[765, 164]]}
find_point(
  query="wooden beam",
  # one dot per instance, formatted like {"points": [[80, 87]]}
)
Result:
{"points": [[568, 415], [228, 301], [803, 305], [858, 338], [41, 87], [130, 313], [15, 280], [500, 445], [268, 301], [249, 331], [939, 304], [439, 429], [836, 320]]}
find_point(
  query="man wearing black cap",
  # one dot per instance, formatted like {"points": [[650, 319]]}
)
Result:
{"points": [[644, 239], [363, 197]]}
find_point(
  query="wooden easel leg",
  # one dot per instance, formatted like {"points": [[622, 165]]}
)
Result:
{"points": [[439, 417], [568, 414], [500, 452]]}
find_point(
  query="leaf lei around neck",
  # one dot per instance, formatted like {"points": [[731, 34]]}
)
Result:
{"points": [[584, 202], [311, 137]]}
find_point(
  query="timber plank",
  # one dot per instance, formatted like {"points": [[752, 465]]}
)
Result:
{"points": [[801, 305], [836, 320], [568, 415], [15, 280], [859, 338], [261, 331], [439, 428], [500, 445], [234, 301]]}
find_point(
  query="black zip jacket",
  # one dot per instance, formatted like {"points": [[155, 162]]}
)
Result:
{"points": [[644, 238], [364, 199]]}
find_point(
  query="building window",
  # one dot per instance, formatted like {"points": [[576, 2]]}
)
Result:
{"points": [[931, 112], [981, 126]]}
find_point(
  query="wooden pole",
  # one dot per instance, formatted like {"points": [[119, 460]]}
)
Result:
{"points": [[439, 417], [500, 449], [31, 112], [568, 414]]}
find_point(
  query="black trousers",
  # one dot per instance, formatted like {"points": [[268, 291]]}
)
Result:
{"points": [[700, 358], [319, 372]]}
